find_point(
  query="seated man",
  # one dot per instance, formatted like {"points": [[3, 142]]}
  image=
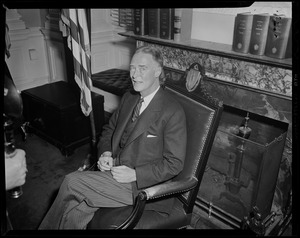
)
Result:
{"points": [[142, 145]]}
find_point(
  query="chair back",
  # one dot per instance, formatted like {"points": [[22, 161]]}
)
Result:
{"points": [[203, 114]]}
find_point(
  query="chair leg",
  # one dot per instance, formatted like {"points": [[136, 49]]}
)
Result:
{"points": [[88, 165], [24, 130], [8, 222]]}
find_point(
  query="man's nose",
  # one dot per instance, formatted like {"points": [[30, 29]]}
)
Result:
{"points": [[135, 74]]}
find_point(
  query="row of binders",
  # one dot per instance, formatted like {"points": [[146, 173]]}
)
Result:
{"points": [[263, 34], [164, 23]]}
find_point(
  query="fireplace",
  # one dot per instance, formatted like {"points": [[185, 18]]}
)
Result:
{"points": [[242, 174]]}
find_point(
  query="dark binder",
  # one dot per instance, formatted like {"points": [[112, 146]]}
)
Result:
{"points": [[140, 21], [154, 22], [167, 23]]}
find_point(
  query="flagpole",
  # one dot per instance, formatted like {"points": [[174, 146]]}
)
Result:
{"points": [[94, 140], [94, 152]]}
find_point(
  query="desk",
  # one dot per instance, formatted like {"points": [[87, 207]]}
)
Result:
{"points": [[53, 112]]}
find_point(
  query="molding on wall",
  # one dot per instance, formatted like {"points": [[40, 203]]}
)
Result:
{"points": [[24, 34], [28, 61], [13, 20], [55, 55]]}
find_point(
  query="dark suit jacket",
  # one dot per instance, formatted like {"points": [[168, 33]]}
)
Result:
{"points": [[156, 147]]}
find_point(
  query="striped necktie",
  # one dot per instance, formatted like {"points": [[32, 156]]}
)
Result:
{"points": [[136, 111]]}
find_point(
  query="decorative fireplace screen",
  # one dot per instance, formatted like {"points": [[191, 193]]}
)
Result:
{"points": [[242, 170]]}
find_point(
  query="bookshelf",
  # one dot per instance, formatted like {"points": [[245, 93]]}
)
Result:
{"points": [[213, 48]]}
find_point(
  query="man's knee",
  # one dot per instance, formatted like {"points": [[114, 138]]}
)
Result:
{"points": [[71, 179]]}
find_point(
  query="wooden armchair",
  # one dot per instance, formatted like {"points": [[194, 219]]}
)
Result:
{"points": [[203, 114]]}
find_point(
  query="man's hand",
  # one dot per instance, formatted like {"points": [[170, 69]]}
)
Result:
{"points": [[15, 169], [105, 162], [123, 174]]}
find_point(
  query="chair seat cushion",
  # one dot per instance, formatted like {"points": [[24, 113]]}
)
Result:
{"points": [[110, 218], [115, 81]]}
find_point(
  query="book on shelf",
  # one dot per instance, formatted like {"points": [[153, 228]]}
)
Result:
{"points": [[259, 33], [279, 39], [242, 32], [167, 23], [289, 50], [183, 24], [154, 22], [186, 24], [140, 21], [177, 24]]}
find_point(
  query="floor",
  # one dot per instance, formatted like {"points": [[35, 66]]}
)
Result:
{"points": [[47, 167]]}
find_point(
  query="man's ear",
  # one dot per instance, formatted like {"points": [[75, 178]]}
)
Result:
{"points": [[157, 71]]}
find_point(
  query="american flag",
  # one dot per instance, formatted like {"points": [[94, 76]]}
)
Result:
{"points": [[75, 26]]}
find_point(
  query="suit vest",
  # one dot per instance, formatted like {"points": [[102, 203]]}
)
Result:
{"points": [[127, 132]]}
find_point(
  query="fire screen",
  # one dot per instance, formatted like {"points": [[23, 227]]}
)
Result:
{"points": [[243, 165]]}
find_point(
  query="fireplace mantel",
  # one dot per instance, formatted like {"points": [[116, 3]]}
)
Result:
{"points": [[213, 49], [261, 74]]}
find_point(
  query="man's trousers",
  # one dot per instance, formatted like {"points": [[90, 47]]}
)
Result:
{"points": [[80, 195]]}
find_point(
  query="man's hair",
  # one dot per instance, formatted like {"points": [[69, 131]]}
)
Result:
{"points": [[157, 56]]}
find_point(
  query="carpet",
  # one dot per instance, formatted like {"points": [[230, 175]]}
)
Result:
{"points": [[46, 170]]}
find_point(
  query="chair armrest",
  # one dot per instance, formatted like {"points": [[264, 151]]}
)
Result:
{"points": [[153, 192], [175, 187], [137, 212]]}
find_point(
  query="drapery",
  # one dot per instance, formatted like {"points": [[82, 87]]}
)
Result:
{"points": [[75, 27]]}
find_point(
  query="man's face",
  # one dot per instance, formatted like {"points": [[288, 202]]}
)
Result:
{"points": [[144, 73]]}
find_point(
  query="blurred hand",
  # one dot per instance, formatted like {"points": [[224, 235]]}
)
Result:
{"points": [[105, 162], [15, 169], [123, 174]]}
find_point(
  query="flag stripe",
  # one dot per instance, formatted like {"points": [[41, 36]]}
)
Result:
{"points": [[74, 30], [83, 30], [78, 70], [75, 50]]}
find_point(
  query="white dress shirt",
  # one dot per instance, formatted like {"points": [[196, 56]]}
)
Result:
{"points": [[147, 100]]}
